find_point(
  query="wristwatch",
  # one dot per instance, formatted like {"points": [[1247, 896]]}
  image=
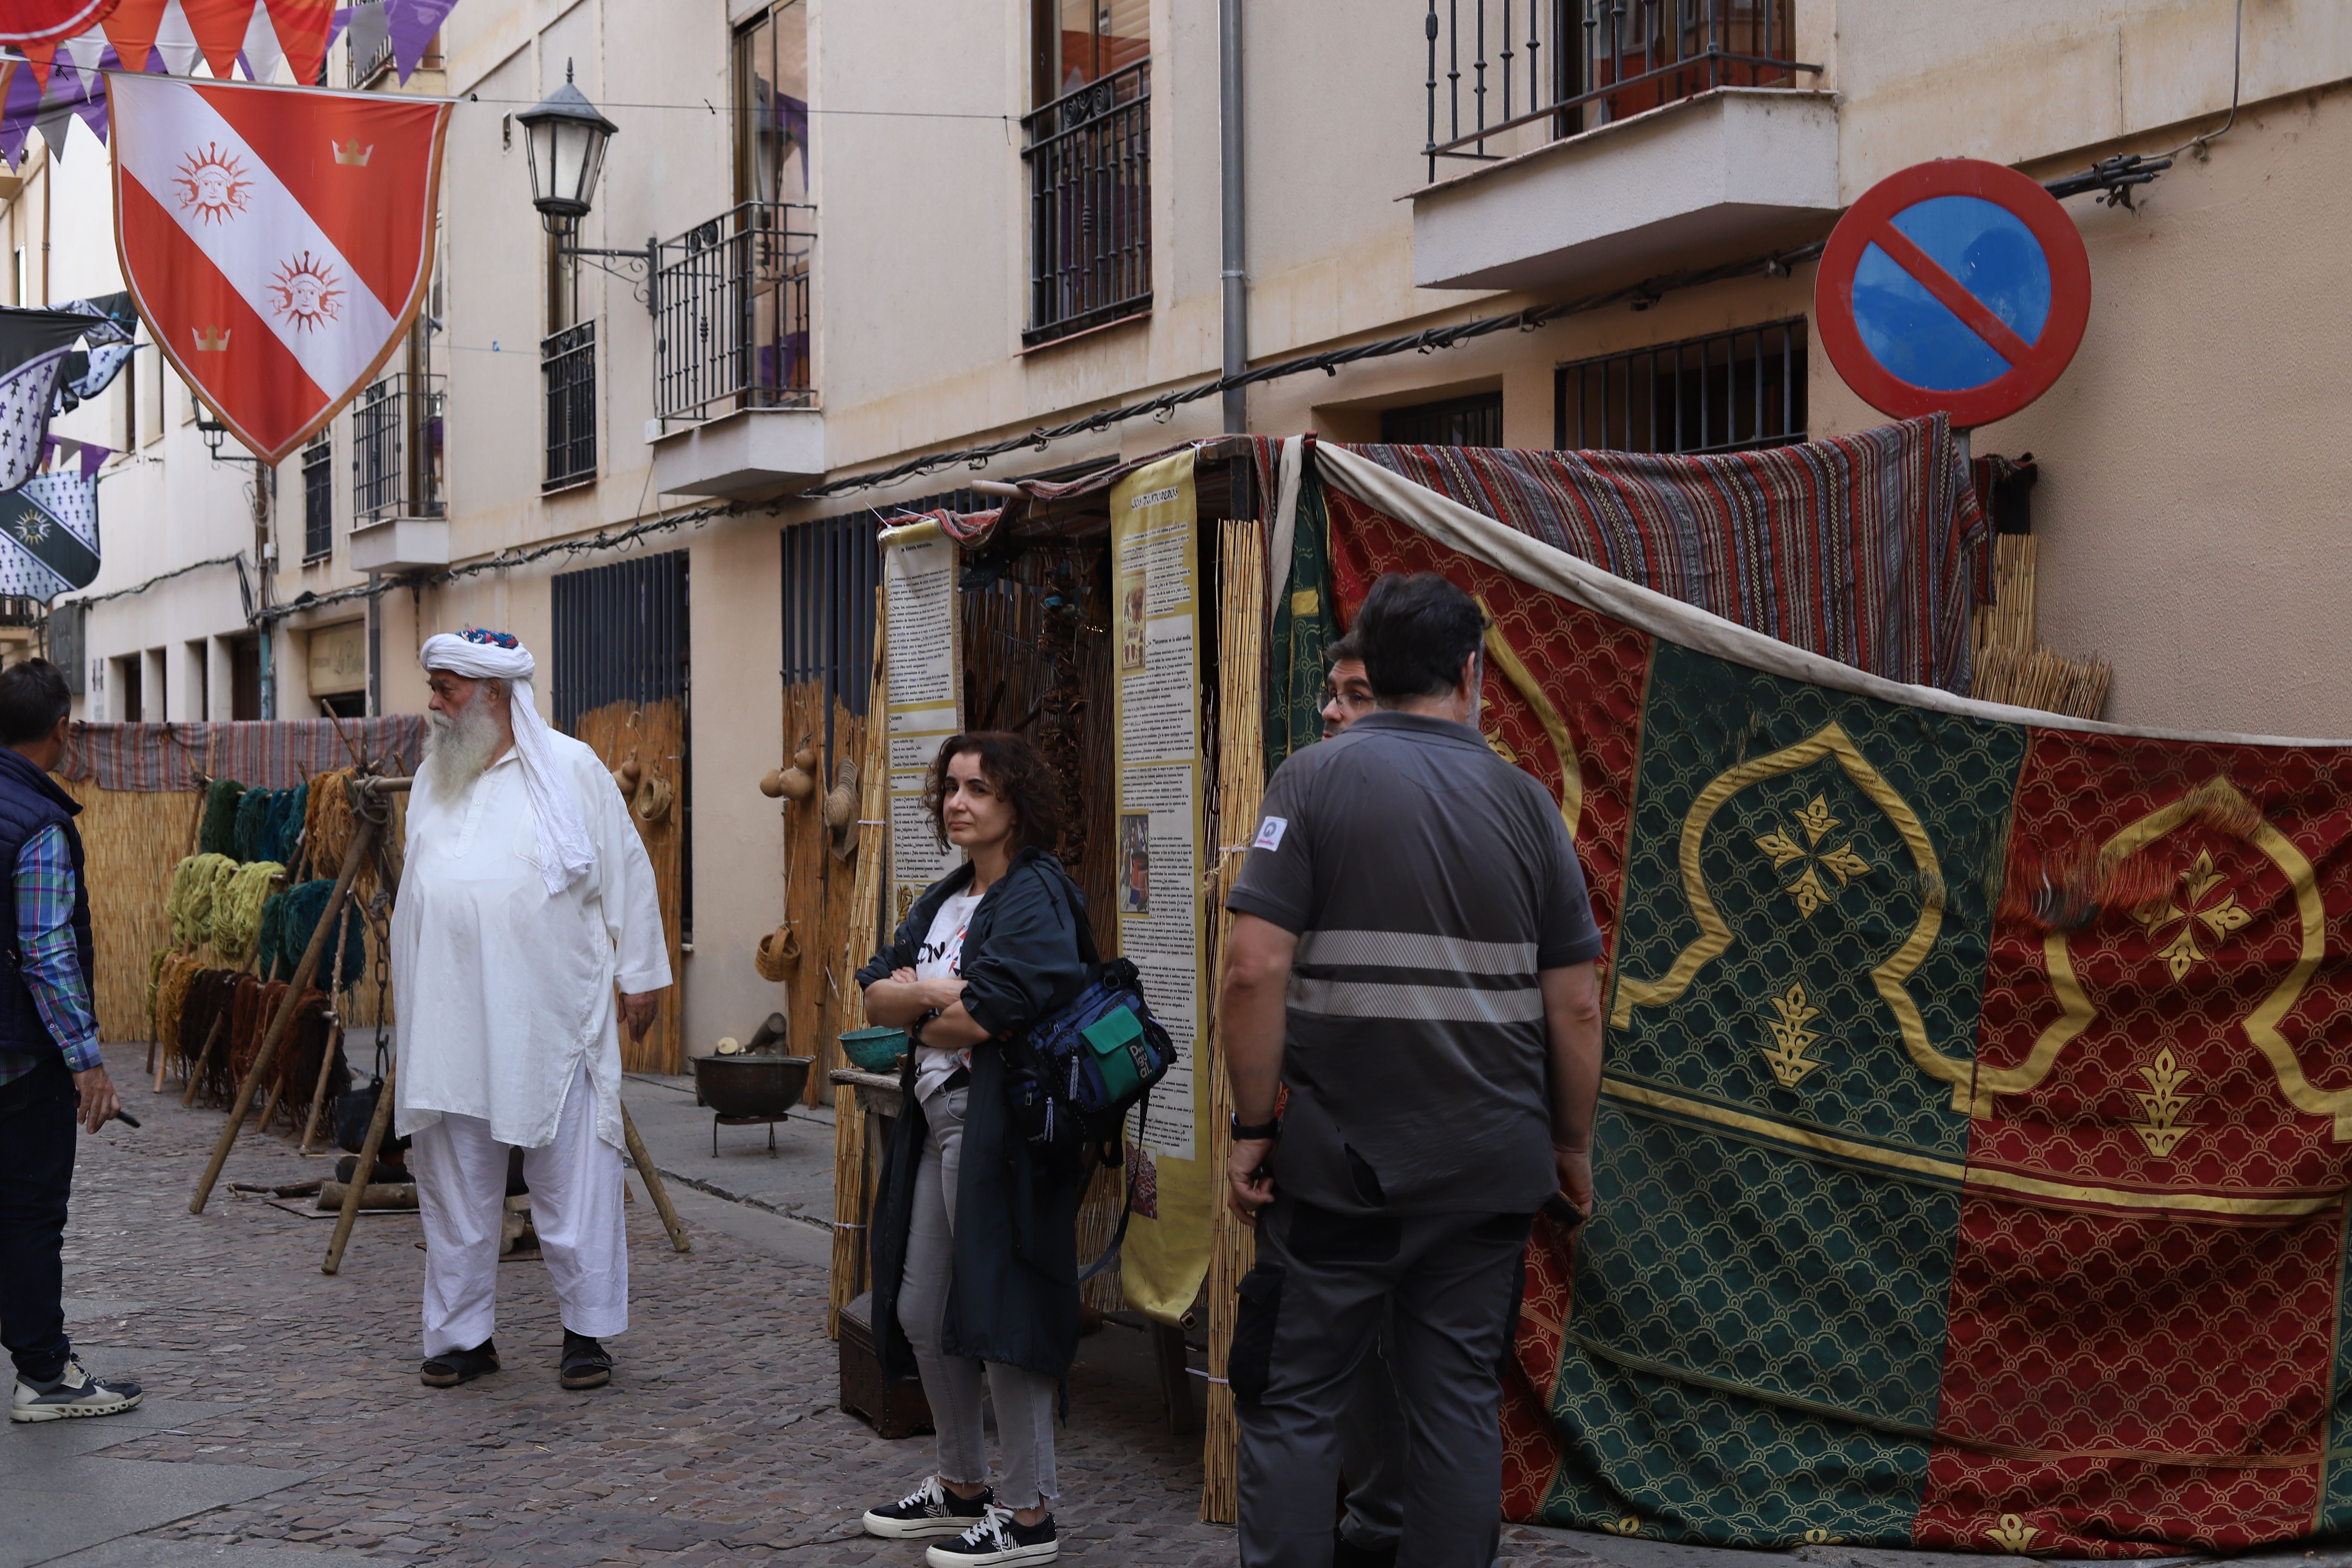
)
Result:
{"points": [[1245, 1133], [915, 1029]]}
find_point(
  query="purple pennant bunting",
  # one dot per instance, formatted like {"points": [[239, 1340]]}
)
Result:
{"points": [[93, 457], [17, 117], [412, 25]]}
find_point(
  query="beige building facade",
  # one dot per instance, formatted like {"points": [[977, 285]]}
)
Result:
{"points": [[841, 244]]}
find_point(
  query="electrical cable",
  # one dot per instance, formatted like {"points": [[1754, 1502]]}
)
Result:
{"points": [[2237, 80]]}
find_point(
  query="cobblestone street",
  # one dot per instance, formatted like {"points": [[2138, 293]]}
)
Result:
{"points": [[718, 1441]]}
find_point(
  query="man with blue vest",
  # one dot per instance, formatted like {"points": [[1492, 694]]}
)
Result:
{"points": [[51, 1072]]}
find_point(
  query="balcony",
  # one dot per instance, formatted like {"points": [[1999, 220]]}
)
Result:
{"points": [[1615, 136], [735, 398], [1089, 157], [399, 522]]}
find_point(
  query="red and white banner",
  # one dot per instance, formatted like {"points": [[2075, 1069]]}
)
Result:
{"points": [[278, 240], [25, 22]]}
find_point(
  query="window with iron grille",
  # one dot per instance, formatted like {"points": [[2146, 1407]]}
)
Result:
{"points": [[317, 498], [1731, 392], [568, 360], [1089, 148], [621, 636], [1454, 421]]}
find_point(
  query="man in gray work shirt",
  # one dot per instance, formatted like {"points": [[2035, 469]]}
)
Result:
{"points": [[1411, 958]]}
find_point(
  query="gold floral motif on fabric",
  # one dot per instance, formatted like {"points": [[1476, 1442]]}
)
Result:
{"points": [[1791, 1039], [1513, 671], [2163, 1104], [2181, 916], [2012, 1535], [1811, 859]]}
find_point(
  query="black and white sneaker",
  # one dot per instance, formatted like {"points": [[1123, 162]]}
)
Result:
{"points": [[929, 1510], [998, 1538], [74, 1393]]}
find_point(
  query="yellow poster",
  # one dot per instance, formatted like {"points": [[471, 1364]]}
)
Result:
{"points": [[1155, 563]]}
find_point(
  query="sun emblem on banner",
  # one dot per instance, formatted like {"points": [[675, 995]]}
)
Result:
{"points": [[212, 182], [306, 292]]}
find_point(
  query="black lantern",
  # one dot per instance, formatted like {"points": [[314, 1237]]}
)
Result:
{"points": [[564, 139]]}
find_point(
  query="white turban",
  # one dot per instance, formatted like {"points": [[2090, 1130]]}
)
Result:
{"points": [[564, 851]]}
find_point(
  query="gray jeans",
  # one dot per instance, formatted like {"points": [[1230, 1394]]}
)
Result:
{"points": [[1309, 1312], [1025, 1399], [1373, 1447]]}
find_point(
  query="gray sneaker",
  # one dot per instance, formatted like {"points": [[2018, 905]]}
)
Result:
{"points": [[75, 1393]]}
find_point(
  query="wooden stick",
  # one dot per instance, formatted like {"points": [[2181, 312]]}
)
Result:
{"points": [[319, 1095], [362, 835], [334, 1040], [196, 1071], [364, 1172], [652, 1178]]}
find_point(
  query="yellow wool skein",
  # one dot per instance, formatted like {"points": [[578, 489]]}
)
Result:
{"points": [[171, 999], [236, 908], [190, 902]]}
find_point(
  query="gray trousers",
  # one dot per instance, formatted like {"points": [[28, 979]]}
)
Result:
{"points": [[1309, 1312], [1373, 1448], [1024, 1399]]}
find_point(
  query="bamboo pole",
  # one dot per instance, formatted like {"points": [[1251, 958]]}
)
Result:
{"points": [[362, 835], [652, 1179], [1241, 786], [848, 1202], [364, 1172]]}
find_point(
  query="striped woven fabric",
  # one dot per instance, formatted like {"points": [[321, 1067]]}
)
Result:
{"points": [[266, 755], [1868, 548]]}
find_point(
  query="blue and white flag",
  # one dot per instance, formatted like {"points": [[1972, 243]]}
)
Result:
{"points": [[33, 349]]}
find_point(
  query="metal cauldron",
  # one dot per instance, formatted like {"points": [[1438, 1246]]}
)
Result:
{"points": [[761, 1085]]}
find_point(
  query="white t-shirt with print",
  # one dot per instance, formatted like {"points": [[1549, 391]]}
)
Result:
{"points": [[940, 957]]}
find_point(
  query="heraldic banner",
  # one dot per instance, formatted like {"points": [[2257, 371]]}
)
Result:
{"points": [[1977, 1121], [278, 240]]}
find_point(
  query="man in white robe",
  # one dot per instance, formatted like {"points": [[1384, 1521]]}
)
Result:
{"points": [[525, 898]]}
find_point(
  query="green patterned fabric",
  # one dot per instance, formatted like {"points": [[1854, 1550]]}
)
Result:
{"points": [[1736, 1279], [1304, 625]]}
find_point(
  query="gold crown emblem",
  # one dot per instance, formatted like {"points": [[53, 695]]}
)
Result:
{"points": [[212, 340], [351, 152]]}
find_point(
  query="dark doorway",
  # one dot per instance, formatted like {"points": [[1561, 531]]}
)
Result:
{"points": [[245, 678]]}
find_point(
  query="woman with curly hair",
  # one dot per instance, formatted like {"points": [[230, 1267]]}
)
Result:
{"points": [[976, 1233]]}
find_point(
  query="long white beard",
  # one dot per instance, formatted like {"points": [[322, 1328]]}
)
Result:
{"points": [[461, 748]]}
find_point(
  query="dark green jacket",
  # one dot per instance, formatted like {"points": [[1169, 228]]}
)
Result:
{"points": [[1015, 1297]]}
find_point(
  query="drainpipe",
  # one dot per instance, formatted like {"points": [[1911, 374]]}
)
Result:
{"points": [[1237, 251]]}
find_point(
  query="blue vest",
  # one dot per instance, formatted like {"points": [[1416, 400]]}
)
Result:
{"points": [[29, 801]]}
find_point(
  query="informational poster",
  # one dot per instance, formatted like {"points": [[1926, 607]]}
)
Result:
{"points": [[1155, 608], [926, 688]]}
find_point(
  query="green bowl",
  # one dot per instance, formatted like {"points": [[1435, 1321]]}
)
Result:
{"points": [[874, 1050]]}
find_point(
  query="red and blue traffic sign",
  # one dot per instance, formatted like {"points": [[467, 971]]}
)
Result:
{"points": [[1957, 284]]}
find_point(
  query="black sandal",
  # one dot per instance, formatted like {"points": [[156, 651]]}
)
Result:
{"points": [[451, 1368], [586, 1363]]}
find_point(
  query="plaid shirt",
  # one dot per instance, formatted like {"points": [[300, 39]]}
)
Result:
{"points": [[45, 901]]}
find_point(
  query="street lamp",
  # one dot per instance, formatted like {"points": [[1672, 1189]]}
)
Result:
{"points": [[563, 140]]}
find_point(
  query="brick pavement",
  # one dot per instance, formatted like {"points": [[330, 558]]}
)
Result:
{"points": [[717, 1443]]}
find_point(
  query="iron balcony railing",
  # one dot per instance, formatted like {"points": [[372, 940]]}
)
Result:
{"points": [[18, 611], [731, 314], [397, 449], [567, 362], [1567, 65], [1089, 157]]}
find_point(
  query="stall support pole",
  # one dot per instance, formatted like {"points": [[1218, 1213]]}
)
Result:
{"points": [[335, 1041], [364, 1173], [196, 1072]]}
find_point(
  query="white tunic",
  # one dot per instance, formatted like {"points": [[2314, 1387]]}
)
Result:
{"points": [[503, 993]]}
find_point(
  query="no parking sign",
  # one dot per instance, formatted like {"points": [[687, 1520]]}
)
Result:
{"points": [[1957, 284]]}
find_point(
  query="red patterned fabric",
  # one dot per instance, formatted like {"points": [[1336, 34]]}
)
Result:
{"points": [[264, 756]]}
